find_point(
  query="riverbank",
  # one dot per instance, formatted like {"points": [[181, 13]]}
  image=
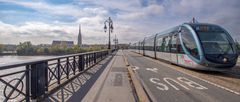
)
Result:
{"points": [[6, 54]]}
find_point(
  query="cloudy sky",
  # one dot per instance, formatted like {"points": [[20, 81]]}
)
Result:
{"points": [[41, 21]]}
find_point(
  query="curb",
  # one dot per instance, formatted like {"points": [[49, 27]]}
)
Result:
{"points": [[141, 94]]}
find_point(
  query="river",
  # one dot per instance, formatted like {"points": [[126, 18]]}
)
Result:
{"points": [[12, 59]]}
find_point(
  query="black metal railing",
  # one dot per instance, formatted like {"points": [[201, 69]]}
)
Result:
{"points": [[33, 80]]}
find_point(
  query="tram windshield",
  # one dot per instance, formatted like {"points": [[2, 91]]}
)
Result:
{"points": [[214, 40]]}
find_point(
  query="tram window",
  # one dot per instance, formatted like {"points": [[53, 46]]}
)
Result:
{"points": [[163, 44], [179, 46], [189, 42], [149, 44], [174, 44], [159, 44], [167, 43]]}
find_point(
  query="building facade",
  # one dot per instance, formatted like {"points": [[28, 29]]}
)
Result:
{"points": [[62, 43]]}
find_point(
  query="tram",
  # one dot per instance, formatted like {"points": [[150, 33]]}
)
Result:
{"points": [[199, 46]]}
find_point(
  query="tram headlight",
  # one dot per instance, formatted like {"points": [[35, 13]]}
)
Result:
{"points": [[225, 60]]}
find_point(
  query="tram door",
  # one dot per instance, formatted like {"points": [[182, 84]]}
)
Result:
{"points": [[173, 48]]}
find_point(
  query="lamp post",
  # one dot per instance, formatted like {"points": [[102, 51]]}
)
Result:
{"points": [[110, 30]]}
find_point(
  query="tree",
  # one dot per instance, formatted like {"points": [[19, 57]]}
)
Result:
{"points": [[46, 50], [25, 48], [76, 49], [40, 51]]}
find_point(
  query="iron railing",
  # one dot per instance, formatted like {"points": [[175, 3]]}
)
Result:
{"points": [[33, 80]]}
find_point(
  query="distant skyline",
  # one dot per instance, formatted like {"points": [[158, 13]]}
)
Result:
{"points": [[42, 21]]}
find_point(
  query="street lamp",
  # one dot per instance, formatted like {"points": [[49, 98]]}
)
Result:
{"points": [[110, 30]]}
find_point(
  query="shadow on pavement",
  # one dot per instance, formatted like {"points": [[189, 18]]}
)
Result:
{"points": [[76, 89]]}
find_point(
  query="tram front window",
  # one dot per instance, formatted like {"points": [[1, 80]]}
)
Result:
{"points": [[189, 43], [215, 43]]}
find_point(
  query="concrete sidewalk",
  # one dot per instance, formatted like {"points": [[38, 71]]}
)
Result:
{"points": [[113, 85]]}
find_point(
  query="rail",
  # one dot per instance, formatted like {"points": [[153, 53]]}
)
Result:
{"points": [[34, 80]]}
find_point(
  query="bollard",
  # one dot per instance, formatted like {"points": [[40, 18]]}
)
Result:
{"points": [[38, 80]]}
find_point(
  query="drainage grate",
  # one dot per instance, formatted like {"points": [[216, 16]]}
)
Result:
{"points": [[118, 80]]}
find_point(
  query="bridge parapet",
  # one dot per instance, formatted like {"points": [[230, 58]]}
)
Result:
{"points": [[33, 80]]}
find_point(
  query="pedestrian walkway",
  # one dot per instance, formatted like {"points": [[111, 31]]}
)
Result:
{"points": [[113, 85], [76, 89]]}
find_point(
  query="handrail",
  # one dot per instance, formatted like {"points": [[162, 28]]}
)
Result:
{"points": [[17, 64], [34, 79]]}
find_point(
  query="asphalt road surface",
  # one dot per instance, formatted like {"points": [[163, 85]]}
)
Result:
{"points": [[166, 84]]}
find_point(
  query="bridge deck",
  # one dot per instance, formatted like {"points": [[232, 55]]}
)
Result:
{"points": [[166, 84], [113, 85], [108, 81]]}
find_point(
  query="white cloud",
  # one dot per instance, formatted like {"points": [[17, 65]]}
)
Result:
{"points": [[36, 32], [142, 13], [64, 9], [132, 21]]}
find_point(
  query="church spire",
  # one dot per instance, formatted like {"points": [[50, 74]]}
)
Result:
{"points": [[80, 37]]}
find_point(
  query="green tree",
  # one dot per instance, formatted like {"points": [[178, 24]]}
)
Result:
{"points": [[46, 50], [76, 49], [57, 50], [40, 51], [25, 48]]}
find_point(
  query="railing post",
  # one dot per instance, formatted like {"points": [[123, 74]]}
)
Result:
{"points": [[86, 60], [95, 57], [38, 80], [67, 67], [90, 59], [58, 71], [74, 65]]}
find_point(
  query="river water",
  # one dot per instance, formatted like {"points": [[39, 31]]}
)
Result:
{"points": [[12, 59]]}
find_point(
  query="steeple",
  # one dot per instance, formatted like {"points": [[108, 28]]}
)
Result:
{"points": [[80, 37]]}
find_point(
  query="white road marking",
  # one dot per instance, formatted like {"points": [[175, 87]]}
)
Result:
{"points": [[191, 83], [135, 67], [163, 86], [166, 80], [169, 81], [152, 69], [224, 88]]}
